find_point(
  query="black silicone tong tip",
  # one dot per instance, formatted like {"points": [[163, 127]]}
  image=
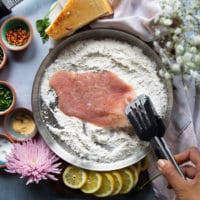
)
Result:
{"points": [[144, 118]]}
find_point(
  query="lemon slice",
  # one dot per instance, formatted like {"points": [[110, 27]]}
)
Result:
{"points": [[144, 163], [136, 166], [74, 177], [93, 183], [135, 174], [127, 180], [118, 182], [107, 186]]}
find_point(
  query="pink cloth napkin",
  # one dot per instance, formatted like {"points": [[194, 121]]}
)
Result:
{"points": [[132, 16]]}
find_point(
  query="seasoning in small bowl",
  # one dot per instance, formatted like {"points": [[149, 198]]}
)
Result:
{"points": [[16, 33], [20, 124], [6, 144], [3, 56], [7, 97]]}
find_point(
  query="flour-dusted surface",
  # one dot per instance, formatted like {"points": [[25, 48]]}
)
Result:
{"points": [[5, 149], [84, 140]]}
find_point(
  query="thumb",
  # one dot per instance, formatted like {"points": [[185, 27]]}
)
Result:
{"points": [[172, 176]]}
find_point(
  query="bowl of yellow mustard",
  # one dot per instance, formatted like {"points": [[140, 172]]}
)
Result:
{"points": [[20, 124]]}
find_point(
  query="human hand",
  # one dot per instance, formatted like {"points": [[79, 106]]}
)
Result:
{"points": [[184, 189]]}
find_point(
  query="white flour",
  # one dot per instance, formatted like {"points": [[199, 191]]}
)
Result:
{"points": [[87, 141], [5, 149]]}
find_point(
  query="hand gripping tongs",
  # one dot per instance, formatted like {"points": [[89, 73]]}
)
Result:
{"points": [[149, 126]]}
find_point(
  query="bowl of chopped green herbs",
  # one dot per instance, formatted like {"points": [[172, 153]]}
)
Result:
{"points": [[7, 97], [3, 56]]}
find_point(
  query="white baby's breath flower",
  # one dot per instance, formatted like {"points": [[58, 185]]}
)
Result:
{"points": [[197, 17], [189, 18], [169, 44], [178, 31], [181, 42], [193, 50], [157, 32], [163, 59], [190, 65], [190, 27], [185, 68], [187, 57], [167, 22], [175, 67], [161, 72], [195, 40], [197, 59], [175, 38], [161, 20], [167, 75], [179, 60], [155, 43], [179, 49], [156, 19], [195, 75]]}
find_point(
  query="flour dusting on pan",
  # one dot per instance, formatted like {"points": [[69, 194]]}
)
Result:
{"points": [[85, 140]]}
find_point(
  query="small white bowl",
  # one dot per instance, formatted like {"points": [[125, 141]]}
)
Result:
{"points": [[20, 124]]}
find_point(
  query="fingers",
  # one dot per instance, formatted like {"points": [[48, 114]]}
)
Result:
{"points": [[184, 189], [189, 171], [168, 170], [172, 176], [191, 154], [197, 180]]}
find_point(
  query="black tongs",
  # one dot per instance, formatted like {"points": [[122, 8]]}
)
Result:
{"points": [[149, 126]]}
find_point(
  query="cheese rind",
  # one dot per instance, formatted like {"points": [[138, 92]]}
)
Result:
{"points": [[76, 14]]}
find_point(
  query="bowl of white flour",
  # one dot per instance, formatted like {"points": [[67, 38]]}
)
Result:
{"points": [[84, 144]]}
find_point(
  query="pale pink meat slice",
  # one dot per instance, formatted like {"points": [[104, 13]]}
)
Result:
{"points": [[98, 97]]}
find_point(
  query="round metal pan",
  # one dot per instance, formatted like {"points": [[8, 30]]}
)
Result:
{"points": [[56, 147]]}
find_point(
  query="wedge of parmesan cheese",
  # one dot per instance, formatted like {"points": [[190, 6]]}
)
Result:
{"points": [[76, 14]]}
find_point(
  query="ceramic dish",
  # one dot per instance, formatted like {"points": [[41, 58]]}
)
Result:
{"points": [[16, 33], [19, 124], [3, 56], [47, 122], [7, 97], [5, 148]]}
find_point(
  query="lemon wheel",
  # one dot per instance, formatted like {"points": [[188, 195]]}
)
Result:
{"points": [[117, 182], [135, 174], [136, 166], [93, 183], [127, 180], [144, 163], [107, 186], [74, 177]]}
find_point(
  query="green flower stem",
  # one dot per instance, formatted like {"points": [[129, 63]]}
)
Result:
{"points": [[140, 188], [53, 7]]}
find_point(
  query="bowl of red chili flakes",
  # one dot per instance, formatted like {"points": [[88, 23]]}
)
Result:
{"points": [[16, 33]]}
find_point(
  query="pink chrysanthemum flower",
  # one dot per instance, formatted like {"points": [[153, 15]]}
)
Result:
{"points": [[33, 159]]}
